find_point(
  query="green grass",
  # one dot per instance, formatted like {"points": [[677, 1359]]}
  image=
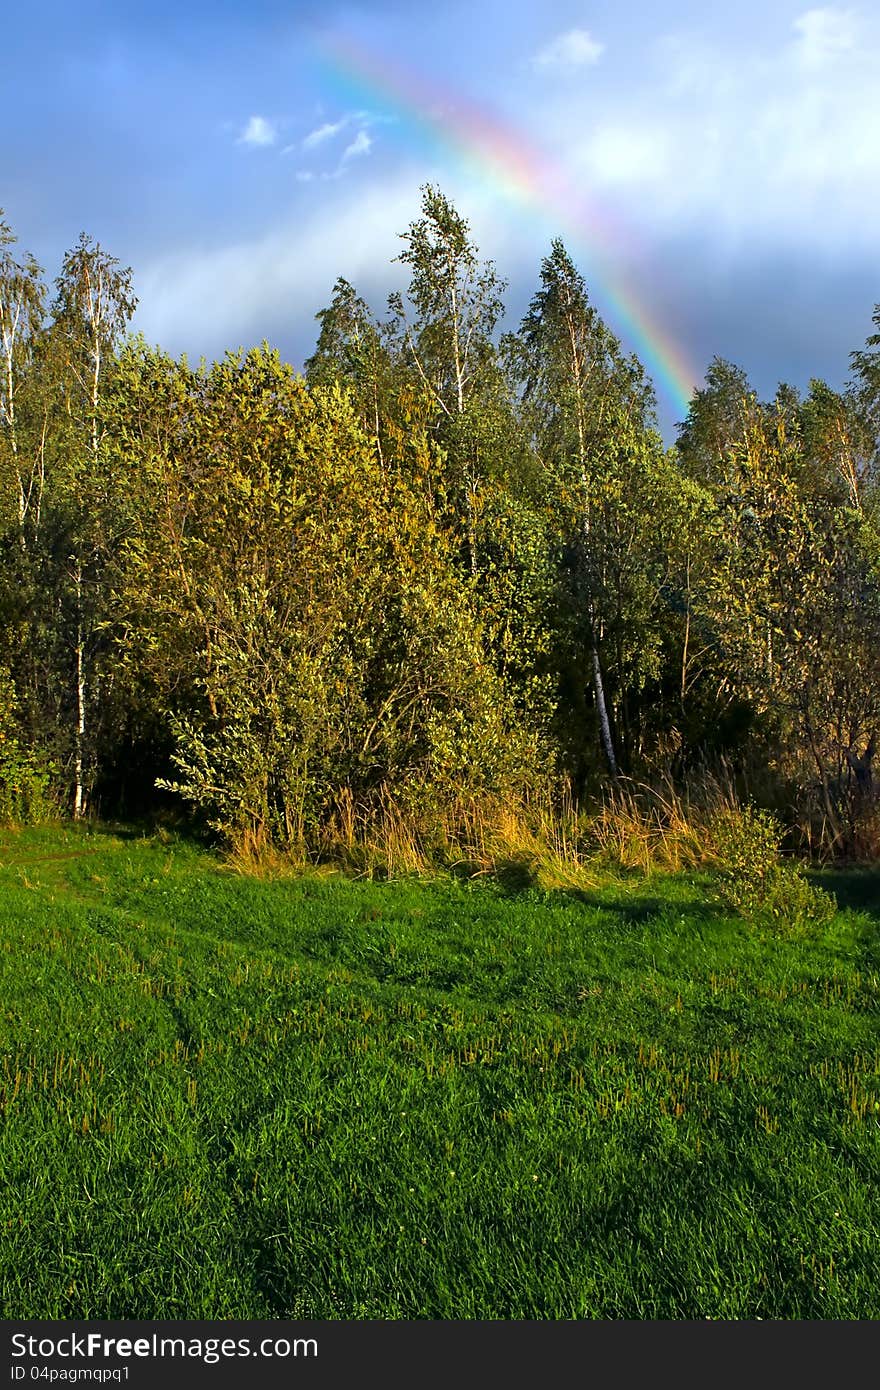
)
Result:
{"points": [[318, 1098]]}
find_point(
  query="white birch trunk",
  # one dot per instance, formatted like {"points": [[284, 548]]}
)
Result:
{"points": [[79, 744], [602, 710]]}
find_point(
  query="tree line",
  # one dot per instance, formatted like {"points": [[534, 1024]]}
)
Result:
{"points": [[444, 566]]}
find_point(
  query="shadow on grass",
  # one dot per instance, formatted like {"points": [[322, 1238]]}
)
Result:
{"points": [[636, 911], [854, 888], [517, 876], [510, 877]]}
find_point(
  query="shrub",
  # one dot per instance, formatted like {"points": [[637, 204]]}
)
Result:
{"points": [[24, 777], [755, 880], [794, 903]]}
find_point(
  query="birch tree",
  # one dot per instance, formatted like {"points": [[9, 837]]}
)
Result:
{"points": [[444, 335], [584, 397], [93, 306], [22, 309]]}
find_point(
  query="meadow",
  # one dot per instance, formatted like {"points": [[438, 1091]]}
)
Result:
{"points": [[319, 1097]]}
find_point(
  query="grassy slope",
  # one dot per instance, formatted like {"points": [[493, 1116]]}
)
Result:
{"points": [[318, 1098]]}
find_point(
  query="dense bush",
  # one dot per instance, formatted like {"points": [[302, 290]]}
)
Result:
{"points": [[755, 879], [25, 778]]}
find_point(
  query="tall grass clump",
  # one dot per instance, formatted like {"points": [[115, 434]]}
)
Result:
{"points": [[664, 825], [537, 837], [534, 837], [379, 838], [543, 838]]}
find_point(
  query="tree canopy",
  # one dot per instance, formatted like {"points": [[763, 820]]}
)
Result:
{"points": [[446, 566]]}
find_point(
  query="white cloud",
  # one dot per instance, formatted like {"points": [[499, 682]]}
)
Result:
{"points": [[739, 146], [324, 132], [823, 35], [202, 301], [624, 155], [258, 131], [360, 145], [575, 49]]}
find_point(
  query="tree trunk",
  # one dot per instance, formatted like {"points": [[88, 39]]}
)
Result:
{"points": [[602, 708], [823, 783], [687, 635], [79, 742]]}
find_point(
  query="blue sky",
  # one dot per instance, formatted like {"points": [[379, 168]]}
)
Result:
{"points": [[735, 154]]}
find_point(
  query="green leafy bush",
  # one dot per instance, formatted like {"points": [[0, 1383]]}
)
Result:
{"points": [[24, 777], [755, 880]]}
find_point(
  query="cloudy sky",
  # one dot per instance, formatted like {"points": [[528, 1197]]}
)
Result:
{"points": [[714, 172]]}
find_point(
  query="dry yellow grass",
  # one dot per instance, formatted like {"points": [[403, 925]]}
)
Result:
{"points": [[544, 839], [661, 825]]}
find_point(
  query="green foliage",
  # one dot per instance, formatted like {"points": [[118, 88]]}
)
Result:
{"points": [[25, 778], [755, 880], [788, 594], [718, 416], [615, 505], [22, 306], [303, 605], [747, 844], [866, 389], [443, 566], [351, 352]]}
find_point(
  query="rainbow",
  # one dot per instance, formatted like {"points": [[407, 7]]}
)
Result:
{"points": [[494, 149]]}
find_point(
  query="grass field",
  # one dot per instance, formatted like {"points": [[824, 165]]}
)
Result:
{"points": [[315, 1097]]}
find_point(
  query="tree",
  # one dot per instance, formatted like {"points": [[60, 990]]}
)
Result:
{"points": [[456, 301], [445, 335], [838, 445], [297, 606], [350, 351], [588, 407], [865, 391], [25, 417], [22, 309], [93, 305], [793, 595], [719, 413], [473, 463]]}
